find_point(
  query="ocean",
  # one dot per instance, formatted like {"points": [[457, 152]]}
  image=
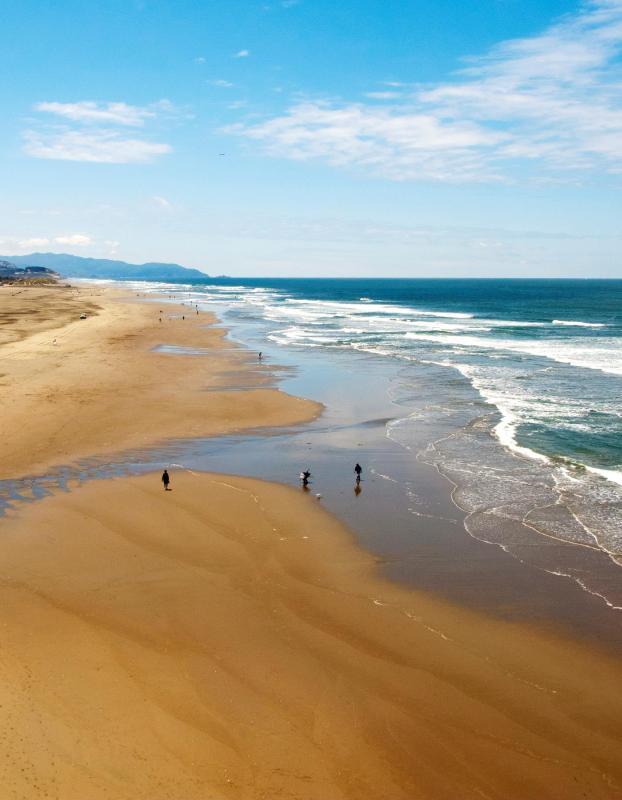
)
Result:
{"points": [[518, 381], [546, 354]]}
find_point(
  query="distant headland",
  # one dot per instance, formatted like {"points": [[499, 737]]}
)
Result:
{"points": [[70, 266]]}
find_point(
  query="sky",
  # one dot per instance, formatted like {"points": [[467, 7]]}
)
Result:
{"points": [[380, 138]]}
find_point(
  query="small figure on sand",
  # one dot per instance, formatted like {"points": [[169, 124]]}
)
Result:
{"points": [[358, 469], [166, 480], [304, 478], [260, 356]]}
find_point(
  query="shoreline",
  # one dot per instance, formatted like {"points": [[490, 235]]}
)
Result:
{"points": [[230, 363], [409, 691]]}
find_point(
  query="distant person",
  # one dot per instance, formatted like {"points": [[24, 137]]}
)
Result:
{"points": [[358, 469], [260, 355], [166, 480], [183, 317], [304, 477]]}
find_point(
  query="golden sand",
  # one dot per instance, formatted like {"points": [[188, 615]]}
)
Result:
{"points": [[73, 387], [227, 640]]}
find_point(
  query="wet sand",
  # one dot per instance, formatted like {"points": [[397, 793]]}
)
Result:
{"points": [[73, 387], [227, 639]]}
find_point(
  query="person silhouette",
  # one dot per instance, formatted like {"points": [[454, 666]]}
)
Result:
{"points": [[166, 480], [358, 469]]}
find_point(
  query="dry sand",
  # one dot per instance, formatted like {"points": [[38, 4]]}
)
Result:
{"points": [[227, 640], [101, 387]]}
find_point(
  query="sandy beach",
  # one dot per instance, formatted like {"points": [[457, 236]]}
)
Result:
{"points": [[74, 387], [228, 639]]}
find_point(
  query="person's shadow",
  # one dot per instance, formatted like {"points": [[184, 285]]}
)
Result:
{"points": [[357, 489]]}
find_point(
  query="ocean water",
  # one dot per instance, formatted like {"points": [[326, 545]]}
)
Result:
{"points": [[547, 354], [526, 375]]}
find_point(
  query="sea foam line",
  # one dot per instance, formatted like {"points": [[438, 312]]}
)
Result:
{"points": [[578, 324]]}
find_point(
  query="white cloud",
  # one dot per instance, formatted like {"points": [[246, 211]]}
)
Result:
{"points": [[35, 241], [382, 95], [242, 54], [162, 202], [220, 83], [553, 101], [106, 113], [101, 146], [95, 132], [74, 240], [16, 244], [398, 144]]}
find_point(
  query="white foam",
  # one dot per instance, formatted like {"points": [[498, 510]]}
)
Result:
{"points": [[505, 430], [605, 357], [382, 308], [613, 475], [576, 324]]}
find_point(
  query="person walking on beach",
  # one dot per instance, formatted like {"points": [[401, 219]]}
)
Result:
{"points": [[358, 469], [166, 480]]}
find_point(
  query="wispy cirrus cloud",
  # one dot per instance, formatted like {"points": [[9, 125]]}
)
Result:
{"points": [[162, 202], [220, 83], [553, 101], [89, 111], [95, 132], [100, 146]]}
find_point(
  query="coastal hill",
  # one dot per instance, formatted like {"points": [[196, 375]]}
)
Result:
{"points": [[70, 266], [10, 273]]}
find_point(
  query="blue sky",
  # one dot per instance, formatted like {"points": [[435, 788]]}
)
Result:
{"points": [[307, 137]]}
